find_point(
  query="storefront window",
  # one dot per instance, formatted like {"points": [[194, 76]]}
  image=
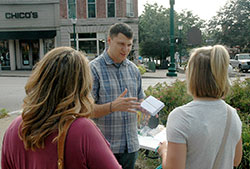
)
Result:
{"points": [[87, 43], [89, 47], [4, 55], [86, 35], [72, 44], [101, 46], [48, 44], [25, 50], [35, 52]]}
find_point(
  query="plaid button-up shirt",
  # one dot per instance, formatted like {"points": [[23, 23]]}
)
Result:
{"points": [[110, 80]]}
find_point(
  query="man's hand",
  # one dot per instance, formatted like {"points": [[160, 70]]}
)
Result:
{"points": [[128, 104]]}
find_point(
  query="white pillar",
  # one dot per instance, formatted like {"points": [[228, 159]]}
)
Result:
{"points": [[97, 47], [55, 42], [41, 49], [12, 55]]}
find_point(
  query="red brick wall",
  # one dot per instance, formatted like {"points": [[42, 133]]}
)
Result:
{"points": [[119, 8], [63, 9], [101, 8], [81, 9], [136, 8]]}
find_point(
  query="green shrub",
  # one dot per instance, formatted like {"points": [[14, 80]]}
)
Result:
{"points": [[239, 98], [143, 162], [142, 69], [3, 113], [245, 162], [172, 96], [239, 95]]}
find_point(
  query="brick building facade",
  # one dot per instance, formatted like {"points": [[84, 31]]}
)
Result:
{"points": [[30, 28]]}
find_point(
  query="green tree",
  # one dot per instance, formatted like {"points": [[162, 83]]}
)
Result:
{"points": [[188, 20], [231, 25], [154, 29]]}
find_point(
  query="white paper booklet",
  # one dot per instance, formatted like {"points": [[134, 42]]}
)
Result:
{"points": [[153, 141], [152, 105]]}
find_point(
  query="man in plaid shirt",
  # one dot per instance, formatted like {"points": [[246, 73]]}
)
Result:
{"points": [[117, 91]]}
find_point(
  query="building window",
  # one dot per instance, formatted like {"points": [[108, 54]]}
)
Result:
{"points": [[91, 44], [4, 55], [71, 9], [111, 8], [91, 9], [130, 8], [88, 47], [86, 35]]}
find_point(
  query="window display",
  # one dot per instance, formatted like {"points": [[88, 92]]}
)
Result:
{"points": [[4, 55]]}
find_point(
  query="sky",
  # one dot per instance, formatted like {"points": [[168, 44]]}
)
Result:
{"points": [[205, 9]]}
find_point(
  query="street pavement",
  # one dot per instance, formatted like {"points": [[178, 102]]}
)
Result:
{"points": [[12, 85], [14, 82]]}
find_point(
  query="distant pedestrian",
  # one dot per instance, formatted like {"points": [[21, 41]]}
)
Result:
{"points": [[57, 91], [195, 131], [177, 59]]}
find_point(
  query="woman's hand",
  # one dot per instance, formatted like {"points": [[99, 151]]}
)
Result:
{"points": [[163, 148]]}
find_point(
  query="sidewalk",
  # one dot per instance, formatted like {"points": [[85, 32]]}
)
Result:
{"points": [[15, 73], [159, 73], [162, 74]]}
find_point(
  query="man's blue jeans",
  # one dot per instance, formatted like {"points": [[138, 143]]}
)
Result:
{"points": [[127, 160]]}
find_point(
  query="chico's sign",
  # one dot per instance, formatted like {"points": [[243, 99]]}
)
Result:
{"points": [[21, 15]]}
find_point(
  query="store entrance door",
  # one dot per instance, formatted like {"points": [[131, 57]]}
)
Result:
{"points": [[29, 50]]}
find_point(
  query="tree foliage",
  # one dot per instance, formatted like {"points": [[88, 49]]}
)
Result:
{"points": [[231, 25], [188, 20], [154, 29]]}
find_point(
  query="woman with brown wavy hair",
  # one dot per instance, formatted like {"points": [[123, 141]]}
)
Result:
{"points": [[57, 91]]}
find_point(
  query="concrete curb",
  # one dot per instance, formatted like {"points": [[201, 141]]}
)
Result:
{"points": [[15, 73], [153, 77], [7, 75]]}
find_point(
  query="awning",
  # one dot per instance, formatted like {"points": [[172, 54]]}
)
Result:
{"points": [[27, 35]]}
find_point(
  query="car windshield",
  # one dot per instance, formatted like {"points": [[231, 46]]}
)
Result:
{"points": [[246, 56]]}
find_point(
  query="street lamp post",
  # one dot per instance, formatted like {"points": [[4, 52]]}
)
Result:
{"points": [[180, 27], [172, 69], [74, 20]]}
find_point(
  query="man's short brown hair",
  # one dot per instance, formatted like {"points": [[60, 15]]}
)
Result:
{"points": [[123, 28]]}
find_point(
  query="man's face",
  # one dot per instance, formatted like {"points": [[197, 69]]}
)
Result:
{"points": [[119, 47]]}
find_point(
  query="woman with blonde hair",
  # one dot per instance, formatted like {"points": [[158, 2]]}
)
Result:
{"points": [[57, 91], [195, 131]]}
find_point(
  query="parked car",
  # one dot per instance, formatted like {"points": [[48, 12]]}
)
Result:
{"points": [[241, 61]]}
